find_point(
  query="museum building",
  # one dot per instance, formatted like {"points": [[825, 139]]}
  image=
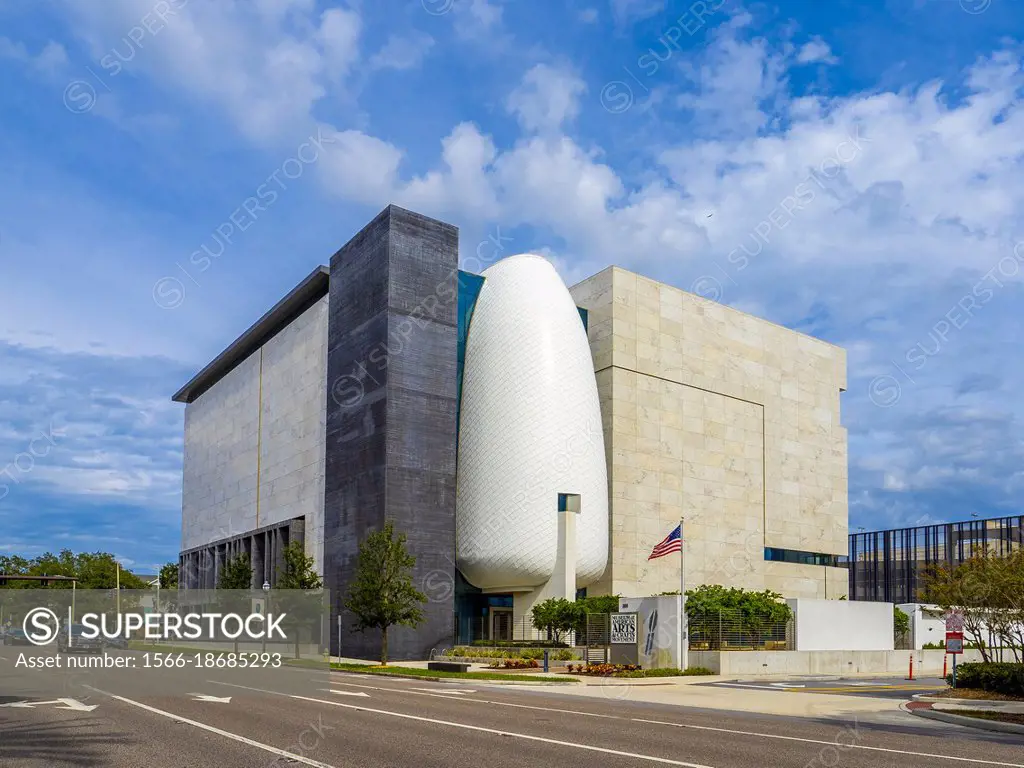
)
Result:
{"points": [[532, 440]]}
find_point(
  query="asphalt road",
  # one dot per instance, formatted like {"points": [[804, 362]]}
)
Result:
{"points": [[879, 688], [340, 720]]}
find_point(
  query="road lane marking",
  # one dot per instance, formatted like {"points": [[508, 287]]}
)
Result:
{"points": [[345, 693], [207, 697], [468, 727], [226, 734], [641, 720], [446, 693], [828, 743], [478, 701], [71, 704], [745, 685]]}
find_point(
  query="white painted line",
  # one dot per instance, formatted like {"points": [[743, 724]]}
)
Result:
{"points": [[345, 693], [206, 697], [744, 685], [226, 734], [468, 727], [828, 743], [71, 704], [786, 685], [478, 701], [440, 691]]}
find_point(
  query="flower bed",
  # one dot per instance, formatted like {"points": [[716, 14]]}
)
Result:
{"points": [[515, 664]]}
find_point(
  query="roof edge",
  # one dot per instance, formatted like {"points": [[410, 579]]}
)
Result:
{"points": [[313, 288]]}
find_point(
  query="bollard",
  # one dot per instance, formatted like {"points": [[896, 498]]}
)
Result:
{"points": [[911, 675], [945, 665], [546, 653]]}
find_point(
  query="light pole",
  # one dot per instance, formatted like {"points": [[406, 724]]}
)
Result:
{"points": [[266, 613]]}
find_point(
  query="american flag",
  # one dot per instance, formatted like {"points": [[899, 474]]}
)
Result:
{"points": [[671, 543]]}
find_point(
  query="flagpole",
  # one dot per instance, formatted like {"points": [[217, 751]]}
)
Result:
{"points": [[684, 624]]}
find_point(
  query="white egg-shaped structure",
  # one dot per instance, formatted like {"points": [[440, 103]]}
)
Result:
{"points": [[529, 430]]}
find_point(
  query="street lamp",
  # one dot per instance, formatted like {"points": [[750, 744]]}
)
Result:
{"points": [[266, 613]]}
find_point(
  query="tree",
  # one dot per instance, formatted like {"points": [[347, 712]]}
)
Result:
{"points": [[753, 612], [299, 574], [900, 624], [593, 604], [169, 576], [555, 616], [988, 591], [236, 579], [382, 594], [236, 573]]}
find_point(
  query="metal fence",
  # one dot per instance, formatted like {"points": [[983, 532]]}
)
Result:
{"points": [[735, 630]]}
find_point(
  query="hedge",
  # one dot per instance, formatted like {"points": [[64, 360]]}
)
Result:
{"points": [[997, 677]]}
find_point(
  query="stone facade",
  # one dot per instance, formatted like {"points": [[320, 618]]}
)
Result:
{"points": [[391, 429], [264, 419], [722, 418]]}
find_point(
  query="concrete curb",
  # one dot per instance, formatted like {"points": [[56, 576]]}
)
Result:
{"points": [[968, 722], [972, 703], [432, 679]]}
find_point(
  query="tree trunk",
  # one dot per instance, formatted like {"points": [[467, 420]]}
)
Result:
{"points": [[384, 646]]}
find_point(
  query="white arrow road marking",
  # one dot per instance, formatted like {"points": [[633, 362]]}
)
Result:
{"points": [[290, 756], [347, 693], [71, 704], [206, 697]]}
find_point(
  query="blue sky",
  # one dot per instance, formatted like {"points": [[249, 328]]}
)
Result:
{"points": [[862, 162]]}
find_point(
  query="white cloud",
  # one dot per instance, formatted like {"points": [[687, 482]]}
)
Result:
{"points": [[265, 70], [635, 10], [339, 39], [51, 59], [816, 51], [546, 98], [402, 52]]}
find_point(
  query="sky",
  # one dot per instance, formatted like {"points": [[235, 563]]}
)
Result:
{"points": [[170, 169]]}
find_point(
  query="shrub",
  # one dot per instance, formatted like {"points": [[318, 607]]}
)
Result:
{"points": [[694, 671], [996, 677], [563, 655]]}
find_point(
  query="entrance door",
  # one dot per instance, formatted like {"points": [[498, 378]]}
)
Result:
{"points": [[501, 624]]}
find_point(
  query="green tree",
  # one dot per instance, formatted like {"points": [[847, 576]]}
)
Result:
{"points": [[236, 573], [236, 579], [709, 606], [556, 615], [593, 604], [299, 574], [900, 624], [383, 595], [169, 576]]}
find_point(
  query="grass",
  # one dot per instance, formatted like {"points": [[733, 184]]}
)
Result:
{"points": [[1017, 718], [418, 672]]}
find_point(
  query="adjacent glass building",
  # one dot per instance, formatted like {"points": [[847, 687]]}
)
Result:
{"points": [[891, 566]]}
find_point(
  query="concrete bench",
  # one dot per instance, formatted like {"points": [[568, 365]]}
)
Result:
{"points": [[448, 666]]}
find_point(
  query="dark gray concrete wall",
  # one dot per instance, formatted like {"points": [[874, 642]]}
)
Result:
{"points": [[391, 435]]}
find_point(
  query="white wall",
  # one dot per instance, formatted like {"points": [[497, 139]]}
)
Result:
{"points": [[752, 663], [842, 625], [927, 624], [279, 414]]}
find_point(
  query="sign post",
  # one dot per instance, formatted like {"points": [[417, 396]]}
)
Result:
{"points": [[954, 637]]}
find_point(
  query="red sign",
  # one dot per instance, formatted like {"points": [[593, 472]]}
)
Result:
{"points": [[954, 622], [954, 642]]}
